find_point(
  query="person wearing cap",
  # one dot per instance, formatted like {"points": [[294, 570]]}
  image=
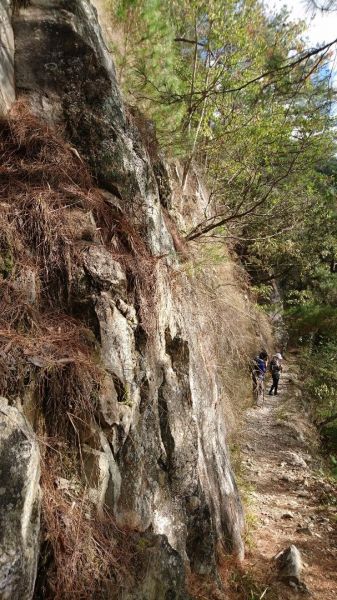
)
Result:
{"points": [[275, 369]]}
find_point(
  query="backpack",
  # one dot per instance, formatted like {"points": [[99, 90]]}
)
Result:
{"points": [[274, 367]]}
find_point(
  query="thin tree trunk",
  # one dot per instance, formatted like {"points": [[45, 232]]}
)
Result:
{"points": [[194, 72], [190, 159]]}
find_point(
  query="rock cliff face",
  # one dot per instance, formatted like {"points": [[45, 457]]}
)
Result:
{"points": [[7, 83], [157, 453], [19, 503]]}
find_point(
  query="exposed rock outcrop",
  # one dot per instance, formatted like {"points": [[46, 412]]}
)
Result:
{"points": [[7, 83], [164, 571], [19, 504], [159, 456], [290, 565], [63, 64]]}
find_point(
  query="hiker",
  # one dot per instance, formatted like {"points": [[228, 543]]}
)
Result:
{"points": [[258, 373], [275, 369]]}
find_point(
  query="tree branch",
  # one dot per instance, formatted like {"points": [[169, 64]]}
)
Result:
{"points": [[327, 421]]}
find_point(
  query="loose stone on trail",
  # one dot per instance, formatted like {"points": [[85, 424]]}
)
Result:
{"points": [[290, 565]]}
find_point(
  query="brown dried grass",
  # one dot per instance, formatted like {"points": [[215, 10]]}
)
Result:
{"points": [[41, 181], [231, 328], [235, 581], [85, 555], [44, 185], [58, 354], [141, 268]]}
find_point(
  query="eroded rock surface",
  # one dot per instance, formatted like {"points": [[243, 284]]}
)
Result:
{"points": [[19, 504], [160, 458], [165, 575], [63, 65], [7, 82], [290, 564]]}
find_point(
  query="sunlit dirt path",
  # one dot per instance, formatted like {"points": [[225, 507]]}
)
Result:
{"points": [[291, 502]]}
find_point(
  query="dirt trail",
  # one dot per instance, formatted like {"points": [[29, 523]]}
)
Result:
{"points": [[291, 500]]}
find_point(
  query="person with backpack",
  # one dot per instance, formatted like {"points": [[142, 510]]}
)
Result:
{"points": [[275, 368], [258, 374]]}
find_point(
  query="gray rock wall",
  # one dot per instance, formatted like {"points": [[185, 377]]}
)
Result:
{"points": [[160, 456], [7, 85], [62, 63], [19, 504]]}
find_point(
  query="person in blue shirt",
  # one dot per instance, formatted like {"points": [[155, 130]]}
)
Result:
{"points": [[258, 373]]}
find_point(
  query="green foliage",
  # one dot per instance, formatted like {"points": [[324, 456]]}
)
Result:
{"points": [[237, 90], [196, 68], [312, 321], [148, 60], [263, 293], [330, 434], [319, 371], [6, 264]]}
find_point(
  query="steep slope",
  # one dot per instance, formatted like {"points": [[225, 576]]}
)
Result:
{"points": [[111, 345]]}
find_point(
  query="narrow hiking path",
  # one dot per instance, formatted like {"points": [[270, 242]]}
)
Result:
{"points": [[291, 501]]}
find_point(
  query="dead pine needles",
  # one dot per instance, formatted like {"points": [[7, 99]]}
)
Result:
{"points": [[50, 212]]}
